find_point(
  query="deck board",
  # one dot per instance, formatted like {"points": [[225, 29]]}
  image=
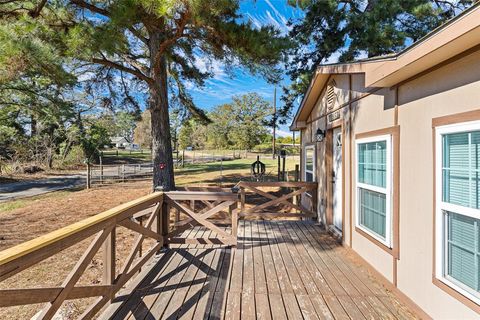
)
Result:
{"points": [[279, 270]]}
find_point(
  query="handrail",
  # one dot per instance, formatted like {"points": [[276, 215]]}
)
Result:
{"points": [[27, 247]]}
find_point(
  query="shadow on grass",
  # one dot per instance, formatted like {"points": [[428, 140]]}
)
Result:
{"points": [[212, 167]]}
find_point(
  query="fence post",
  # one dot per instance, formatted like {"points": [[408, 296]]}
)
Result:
{"points": [[101, 169], [123, 173], [297, 172], [109, 273], [183, 158], [88, 175]]}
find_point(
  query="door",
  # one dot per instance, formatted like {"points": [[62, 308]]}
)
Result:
{"points": [[337, 178]]}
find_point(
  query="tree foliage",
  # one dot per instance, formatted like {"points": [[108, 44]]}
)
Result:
{"points": [[353, 29]]}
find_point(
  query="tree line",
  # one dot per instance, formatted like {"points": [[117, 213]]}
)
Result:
{"points": [[241, 124]]}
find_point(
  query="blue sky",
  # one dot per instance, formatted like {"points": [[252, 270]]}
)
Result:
{"points": [[224, 85]]}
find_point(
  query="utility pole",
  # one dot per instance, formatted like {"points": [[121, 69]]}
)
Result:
{"points": [[274, 120]]}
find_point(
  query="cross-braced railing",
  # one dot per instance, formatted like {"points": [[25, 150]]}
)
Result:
{"points": [[148, 217], [198, 208], [283, 199]]}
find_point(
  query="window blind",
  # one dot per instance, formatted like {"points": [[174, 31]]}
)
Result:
{"points": [[373, 211], [463, 249]]}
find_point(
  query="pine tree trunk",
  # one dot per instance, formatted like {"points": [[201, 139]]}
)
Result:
{"points": [[162, 156]]}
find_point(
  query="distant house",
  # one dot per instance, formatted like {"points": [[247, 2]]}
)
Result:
{"points": [[119, 142], [394, 145]]}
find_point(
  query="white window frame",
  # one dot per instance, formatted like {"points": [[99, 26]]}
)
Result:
{"points": [[387, 190], [440, 206], [310, 146]]}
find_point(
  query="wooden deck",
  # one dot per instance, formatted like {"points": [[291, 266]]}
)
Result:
{"points": [[280, 270]]}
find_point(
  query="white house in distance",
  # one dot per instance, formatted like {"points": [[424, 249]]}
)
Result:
{"points": [[119, 142], [394, 144]]}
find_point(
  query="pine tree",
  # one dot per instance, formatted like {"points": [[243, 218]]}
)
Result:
{"points": [[356, 28], [153, 44]]}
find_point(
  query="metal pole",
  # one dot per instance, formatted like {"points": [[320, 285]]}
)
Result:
{"points": [[278, 167], [274, 120]]}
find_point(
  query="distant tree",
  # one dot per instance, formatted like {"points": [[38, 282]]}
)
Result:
{"points": [[125, 123], [218, 130], [143, 130], [248, 117], [353, 28], [95, 138], [176, 120], [285, 140], [193, 133]]}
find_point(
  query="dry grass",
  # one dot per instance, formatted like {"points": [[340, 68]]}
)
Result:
{"points": [[48, 213]]}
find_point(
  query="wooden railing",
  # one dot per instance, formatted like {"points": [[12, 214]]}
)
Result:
{"points": [[148, 217], [283, 199], [198, 208]]}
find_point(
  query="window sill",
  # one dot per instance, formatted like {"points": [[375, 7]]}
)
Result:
{"points": [[456, 294], [381, 245]]}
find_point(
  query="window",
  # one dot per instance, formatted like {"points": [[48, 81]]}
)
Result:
{"points": [[458, 208], [309, 163], [373, 192]]}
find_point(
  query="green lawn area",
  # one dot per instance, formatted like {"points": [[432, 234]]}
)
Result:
{"points": [[228, 172]]}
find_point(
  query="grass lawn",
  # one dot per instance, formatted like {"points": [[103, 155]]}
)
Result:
{"points": [[228, 172]]}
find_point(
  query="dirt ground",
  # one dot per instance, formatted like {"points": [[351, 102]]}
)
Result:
{"points": [[48, 213]]}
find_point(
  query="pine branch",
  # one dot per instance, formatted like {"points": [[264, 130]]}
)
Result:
{"points": [[120, 67], [36, 11], [181, 24], [91, 7]]}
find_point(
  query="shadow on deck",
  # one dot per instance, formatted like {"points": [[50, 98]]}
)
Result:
{"points": [[280, 270]]}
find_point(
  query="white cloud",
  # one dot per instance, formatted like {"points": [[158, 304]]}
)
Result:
{"points": [[282, 133], [277, 13]]}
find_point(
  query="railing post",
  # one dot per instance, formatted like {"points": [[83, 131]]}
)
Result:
{"points": [[165, 222], [242, 199], [234, 214], [315, 202], [109, 250]]}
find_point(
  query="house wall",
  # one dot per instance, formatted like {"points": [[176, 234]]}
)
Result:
{"points": [[447, 90]]}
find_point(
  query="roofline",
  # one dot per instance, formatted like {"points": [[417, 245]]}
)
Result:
{"points": [[361, 66]]}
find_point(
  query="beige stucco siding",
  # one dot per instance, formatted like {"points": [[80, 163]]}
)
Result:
{"points": [[369, 114], [452, 89]]}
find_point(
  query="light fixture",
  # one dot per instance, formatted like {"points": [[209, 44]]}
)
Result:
{"points": [[320, 135]]}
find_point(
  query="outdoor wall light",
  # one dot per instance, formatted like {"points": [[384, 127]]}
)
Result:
{"points": [[320, 135]]}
